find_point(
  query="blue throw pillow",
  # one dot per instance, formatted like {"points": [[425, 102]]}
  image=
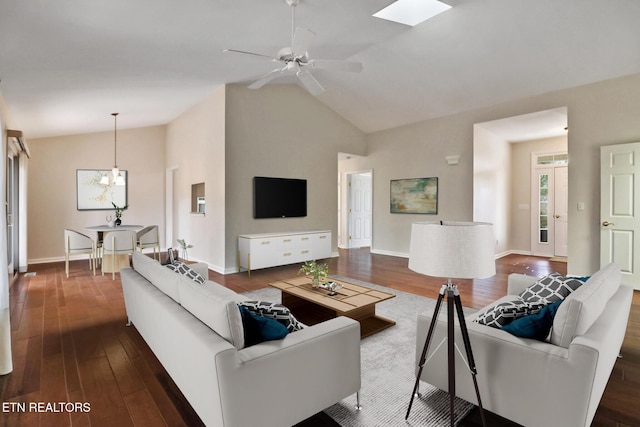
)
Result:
{"points": [[581, 278], [258, 329], [536, 326]]}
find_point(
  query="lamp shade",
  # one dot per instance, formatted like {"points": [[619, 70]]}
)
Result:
{"points": [[461, 250]]}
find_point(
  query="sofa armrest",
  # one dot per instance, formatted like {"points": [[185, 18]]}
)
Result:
{"points": [[307, 336], [201, 268], [519, 282], [505, 363], [313, 368]]}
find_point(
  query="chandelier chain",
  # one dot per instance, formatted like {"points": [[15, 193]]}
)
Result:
{"points": [[115, 139]]}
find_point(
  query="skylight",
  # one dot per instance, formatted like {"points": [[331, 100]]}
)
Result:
{"points": [[412, 12]]}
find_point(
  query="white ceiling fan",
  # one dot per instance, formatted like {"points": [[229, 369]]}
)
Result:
{"points": [[296, 59]]}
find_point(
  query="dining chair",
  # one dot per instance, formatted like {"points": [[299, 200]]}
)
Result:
{"points": [[75, 242], [148, 238], [115, 243]]}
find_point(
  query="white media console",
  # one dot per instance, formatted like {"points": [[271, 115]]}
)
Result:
{"points": [[273, 249]]}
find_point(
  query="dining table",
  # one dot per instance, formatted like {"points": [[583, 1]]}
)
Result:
{"points": [[122, 260]]}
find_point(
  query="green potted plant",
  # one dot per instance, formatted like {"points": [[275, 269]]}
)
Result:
{"points": [[317, 271], [119, 211]]}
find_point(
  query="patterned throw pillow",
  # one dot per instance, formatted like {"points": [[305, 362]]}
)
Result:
{"points": [[504, 313], [182, 268], [551, 288], [274, 311]]}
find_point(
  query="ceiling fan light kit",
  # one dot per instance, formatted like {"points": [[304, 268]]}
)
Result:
{"points": [[295, 59]]}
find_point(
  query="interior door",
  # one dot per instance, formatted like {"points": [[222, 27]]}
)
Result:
{"points": [[619, 209], [359, 209], [561, 208]]}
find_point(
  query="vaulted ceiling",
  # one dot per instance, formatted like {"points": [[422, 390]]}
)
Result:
{"points": [[66, 65]]}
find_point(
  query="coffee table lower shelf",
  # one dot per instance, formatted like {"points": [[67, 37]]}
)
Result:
{"points": [[310, 313]]}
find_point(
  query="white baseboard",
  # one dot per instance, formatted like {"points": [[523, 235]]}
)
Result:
{"points": [[513, 252], [389, 253], [56, 259]]}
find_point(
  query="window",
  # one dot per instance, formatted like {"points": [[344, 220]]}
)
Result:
{"points": [[553, 159], [543, 208]]}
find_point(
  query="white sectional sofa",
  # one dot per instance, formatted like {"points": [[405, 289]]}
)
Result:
{"points": [[557, 382], [195, 330]]}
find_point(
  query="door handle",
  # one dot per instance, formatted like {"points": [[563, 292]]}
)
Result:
{"points": [[557, 216], [607, 223]]}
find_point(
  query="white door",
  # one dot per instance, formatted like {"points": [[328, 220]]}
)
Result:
{"points": [[359, 206], [549, 220], [560, 208], [620, 209]]}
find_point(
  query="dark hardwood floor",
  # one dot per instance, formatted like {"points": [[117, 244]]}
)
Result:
{"points": [[70, 344]]}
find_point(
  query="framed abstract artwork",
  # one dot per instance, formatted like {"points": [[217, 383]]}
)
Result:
{"points": [[92, 195], [414, 196]]}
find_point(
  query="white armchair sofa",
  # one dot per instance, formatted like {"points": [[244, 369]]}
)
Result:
{"points": [[558, 382], [195, 330]]}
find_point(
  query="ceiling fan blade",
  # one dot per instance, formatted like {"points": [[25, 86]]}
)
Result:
{"points": [[335, 65], [301, 40], [266, 78], [309, 82], [273, 58]]}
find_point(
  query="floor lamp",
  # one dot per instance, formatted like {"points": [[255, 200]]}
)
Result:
{"points": [[461, 250]]}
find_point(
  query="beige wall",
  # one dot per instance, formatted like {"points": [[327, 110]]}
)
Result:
{"points": [[417, 151], [196, 153], [51, 200], [599, 114], [492, 184], [282, 131]]}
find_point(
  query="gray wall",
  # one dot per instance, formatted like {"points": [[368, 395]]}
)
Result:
{"points": [[282, 131]]}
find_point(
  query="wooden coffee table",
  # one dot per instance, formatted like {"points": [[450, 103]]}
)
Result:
{"points": [[314, 305]]}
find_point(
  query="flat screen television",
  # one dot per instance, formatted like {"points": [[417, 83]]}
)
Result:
{"points": [[279, 197]]}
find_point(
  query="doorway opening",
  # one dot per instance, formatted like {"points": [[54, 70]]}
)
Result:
{"points": [[550, 203], [503, 183], [359, 209], [355, 201]]}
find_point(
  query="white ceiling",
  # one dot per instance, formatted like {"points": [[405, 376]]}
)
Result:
{"points": [[528, 127], [66, 65]]}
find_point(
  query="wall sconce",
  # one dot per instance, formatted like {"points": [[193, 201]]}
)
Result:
{"points": [[453, 159]]}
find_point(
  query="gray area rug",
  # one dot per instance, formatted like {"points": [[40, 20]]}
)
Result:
{"points": [[388, 369]]}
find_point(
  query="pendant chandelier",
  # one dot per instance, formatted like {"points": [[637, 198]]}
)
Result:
{"points": [[117, 178]]}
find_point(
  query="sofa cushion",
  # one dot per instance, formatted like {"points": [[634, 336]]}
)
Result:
{"points": [[216, 307], [182, 268], [583, 307], [536, 326], [161, 277], [258, 328], [274, 311], [551, 288], [505, 312]]}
